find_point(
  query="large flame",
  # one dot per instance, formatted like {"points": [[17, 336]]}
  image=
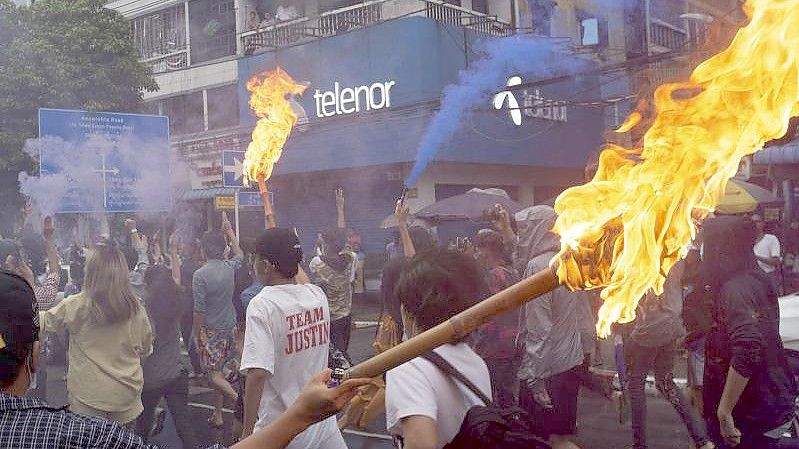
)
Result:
{"points": [[626, 228], [275, 121]]}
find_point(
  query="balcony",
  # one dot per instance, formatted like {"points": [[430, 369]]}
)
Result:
{"points": [[665, 37], [366, 14], [161, 39]]}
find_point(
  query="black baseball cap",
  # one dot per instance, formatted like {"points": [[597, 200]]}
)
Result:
{"points": [[281, 247], [19, 323]]}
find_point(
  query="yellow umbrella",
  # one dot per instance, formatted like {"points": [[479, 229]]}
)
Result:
{"points": [[743, 197]]}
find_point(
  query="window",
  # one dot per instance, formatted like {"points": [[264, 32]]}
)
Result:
{"points": [[541, 13], [480, 6], [185, 113], [213, 29], [593, 30], [223, 107], [161, 33]]}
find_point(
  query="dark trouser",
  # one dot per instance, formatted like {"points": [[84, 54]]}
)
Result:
{"points": [[621, 365], [503, 381], [186, 323], [661, 359], [592, 381], [177, 396], [561, 419], [340, 331], [776, 280]]}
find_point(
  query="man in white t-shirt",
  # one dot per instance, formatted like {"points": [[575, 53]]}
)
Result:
{"points": [[286, 340], [767, 252], [424, 406]]}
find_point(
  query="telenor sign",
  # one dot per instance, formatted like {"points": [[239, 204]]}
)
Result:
{"points": [[352, 99]]}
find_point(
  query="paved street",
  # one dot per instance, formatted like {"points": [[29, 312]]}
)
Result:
{"points": [[598, 428]]}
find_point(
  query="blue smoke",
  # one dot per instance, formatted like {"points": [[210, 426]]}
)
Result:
{"points": [[531, 57]]}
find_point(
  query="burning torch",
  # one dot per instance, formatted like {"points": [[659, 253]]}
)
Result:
{"points": [[625, 229], [276, 119]]}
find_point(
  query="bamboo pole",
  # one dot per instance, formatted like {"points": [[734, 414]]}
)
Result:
{"points": [[458, 326], [269, 214]]}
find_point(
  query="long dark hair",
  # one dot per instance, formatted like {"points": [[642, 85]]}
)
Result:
{"points": [[164, 298], [439, 283], [728, 250]]}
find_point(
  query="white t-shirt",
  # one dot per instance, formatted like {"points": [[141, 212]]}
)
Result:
{"points": [[288, 335], [768, 246], [419, 388]]}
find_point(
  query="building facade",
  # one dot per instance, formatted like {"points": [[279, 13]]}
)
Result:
{"points": [[398, 57]]}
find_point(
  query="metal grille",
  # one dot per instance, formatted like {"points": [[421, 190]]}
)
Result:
{"points": [[457, 16], [160, 34], [275, 36], [350, 18], [666, 36]]}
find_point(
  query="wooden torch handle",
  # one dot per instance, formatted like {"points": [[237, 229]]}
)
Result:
{"points": [[269, 214], [458, 326]]}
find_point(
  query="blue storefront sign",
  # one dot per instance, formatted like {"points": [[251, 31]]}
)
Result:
{"points": [[101, 161]]}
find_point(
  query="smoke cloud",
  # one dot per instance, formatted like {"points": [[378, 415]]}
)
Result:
{"points": [[99, 173], [529, 56]]}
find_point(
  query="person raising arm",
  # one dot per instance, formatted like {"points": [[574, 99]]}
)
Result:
{"points": [[402, 213], [341, 223]]}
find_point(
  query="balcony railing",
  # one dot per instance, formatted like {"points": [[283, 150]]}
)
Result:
{"points": [[350, 18], [171, 61], [366, 14], [275, 36], [458, 16], [665, 37]]}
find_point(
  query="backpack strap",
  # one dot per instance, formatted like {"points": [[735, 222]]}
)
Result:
{"points": [[453, 373]]}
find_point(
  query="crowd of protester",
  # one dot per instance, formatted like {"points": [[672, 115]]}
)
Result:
{"points": [[263, 324]]}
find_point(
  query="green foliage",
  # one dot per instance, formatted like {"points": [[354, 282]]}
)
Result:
{"points": [[70, 54]]}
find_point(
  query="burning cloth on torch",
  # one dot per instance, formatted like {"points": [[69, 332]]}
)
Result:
{"points": [[276, 119], [623, 231]]}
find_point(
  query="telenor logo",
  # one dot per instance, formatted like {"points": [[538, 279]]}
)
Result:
{"points": [[507, 96]]}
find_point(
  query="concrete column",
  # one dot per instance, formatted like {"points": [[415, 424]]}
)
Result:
{"points": [[787, 193]]}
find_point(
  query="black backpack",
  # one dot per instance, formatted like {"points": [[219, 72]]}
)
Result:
{"points": [[489, 426]]}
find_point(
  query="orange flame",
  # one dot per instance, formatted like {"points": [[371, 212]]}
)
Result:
{"points": [[626, 228], [275, 121], [630, 123]]}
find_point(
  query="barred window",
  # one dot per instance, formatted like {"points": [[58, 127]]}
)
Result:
{"points": [[161, 33]]}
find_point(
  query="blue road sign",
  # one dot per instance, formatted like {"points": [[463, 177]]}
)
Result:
{"points": [[248, 199], [232, 168], [102, 161]]}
